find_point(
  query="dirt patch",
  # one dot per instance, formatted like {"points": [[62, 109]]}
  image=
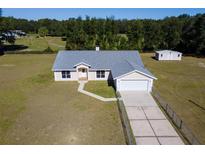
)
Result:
{"points": [[57, 45], [201, 64], [7, 65], [27, 50]]}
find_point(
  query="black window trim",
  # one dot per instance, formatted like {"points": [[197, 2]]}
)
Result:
{"points": [[66, 74], [100, 74]]}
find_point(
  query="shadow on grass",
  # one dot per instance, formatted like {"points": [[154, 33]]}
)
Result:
{"points": [[11, 48], [14, 47], [199, 106], [63, 38], [153, 57], [195, 55], [112, 84], [110, 81], [1, 52]]}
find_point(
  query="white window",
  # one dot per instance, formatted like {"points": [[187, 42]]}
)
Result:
{"points": [[161, 55], [100, 74], [178, 55], [65, 74]]}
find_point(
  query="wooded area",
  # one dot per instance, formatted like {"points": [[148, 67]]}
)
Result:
{"points": [[183, 33]]}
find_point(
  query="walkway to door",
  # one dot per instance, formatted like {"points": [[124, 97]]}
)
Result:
{"points": [[81, 90], [148, 123]]}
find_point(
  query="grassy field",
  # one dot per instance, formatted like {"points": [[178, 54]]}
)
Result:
{"points": [[100, 88], [36, 110], [34, 43], [182, 85]]}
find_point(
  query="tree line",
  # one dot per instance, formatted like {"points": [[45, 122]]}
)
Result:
{"points": [[183, 33]]}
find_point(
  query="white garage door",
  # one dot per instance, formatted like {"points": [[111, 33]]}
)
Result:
{"points": [[131, 85]]}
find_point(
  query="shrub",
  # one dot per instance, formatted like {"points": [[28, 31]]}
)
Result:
{"points": [[48, 50]]}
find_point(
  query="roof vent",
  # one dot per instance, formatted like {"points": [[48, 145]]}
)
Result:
{"points": [[97, 48]]}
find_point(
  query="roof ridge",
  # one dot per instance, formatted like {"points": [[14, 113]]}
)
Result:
{"points": [[132, 64], [129, 63], [98, 51]]}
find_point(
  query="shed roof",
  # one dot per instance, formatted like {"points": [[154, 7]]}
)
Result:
{"points": [[119, 62], [167, 51]]}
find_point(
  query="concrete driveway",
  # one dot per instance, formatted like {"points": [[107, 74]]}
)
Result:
{"points": [[148, 122], [137, 98]]}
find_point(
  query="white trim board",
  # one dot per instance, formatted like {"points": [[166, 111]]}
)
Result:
{"points": [[133, 72]]}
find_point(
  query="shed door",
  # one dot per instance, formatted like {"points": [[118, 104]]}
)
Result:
{"points": [[133, 85]]}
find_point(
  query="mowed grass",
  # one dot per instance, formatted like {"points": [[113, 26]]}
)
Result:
{"points": [[36, 110], [35, 43], [100, 88], [182, 85]]}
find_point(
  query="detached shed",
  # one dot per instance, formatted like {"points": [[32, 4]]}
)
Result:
{"points": [[168, 55]]}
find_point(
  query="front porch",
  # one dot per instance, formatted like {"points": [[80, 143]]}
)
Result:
{"points": [[82, 73]]}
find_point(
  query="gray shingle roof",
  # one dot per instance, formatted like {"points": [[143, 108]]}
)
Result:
{"points": [[119, 62]]}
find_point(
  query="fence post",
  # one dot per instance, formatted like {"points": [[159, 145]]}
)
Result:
{"points": [[180, 126], [173, 114], [184, 130], [166, 107]]}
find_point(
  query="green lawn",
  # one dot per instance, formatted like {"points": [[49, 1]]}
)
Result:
{"points": [[35, 43], [100, 88], [36, 110], [182, 84]]}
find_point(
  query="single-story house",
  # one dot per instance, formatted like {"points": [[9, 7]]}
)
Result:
{"points": [[168, 55], [124, 68]]}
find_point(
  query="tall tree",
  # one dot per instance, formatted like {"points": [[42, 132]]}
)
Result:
{"points": [[0, 28], [184, 33], [194, 35], [135, 35], [43, 31], [152, 34], [172, 29]]}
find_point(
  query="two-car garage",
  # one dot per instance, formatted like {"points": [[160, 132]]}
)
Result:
{"points": [[134, 81], [133, 85]]}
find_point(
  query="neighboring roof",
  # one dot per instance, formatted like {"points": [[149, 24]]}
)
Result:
{"points": [[167, 51], [119, 62]]}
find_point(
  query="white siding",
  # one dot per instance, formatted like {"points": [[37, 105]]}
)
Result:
{"points": [[174, 56], [135, 76], [169, 55], [75, 76], [92, 75], [58, 76]]}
